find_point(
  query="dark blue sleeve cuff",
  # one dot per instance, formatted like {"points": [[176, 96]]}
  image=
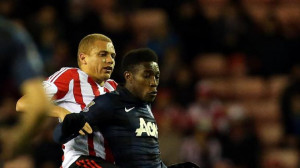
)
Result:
{"points": [[69, 128], [61, 138]]}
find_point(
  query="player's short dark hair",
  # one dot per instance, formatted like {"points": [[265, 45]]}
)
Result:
{"points": [[137, 56]]}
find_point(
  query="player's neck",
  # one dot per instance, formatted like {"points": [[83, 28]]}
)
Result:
{"points": [[100, 82], [130, 89]]}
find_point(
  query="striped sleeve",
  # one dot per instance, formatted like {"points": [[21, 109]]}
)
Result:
{"points": [[57, 85]]}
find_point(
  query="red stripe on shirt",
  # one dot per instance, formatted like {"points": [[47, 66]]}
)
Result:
{"points": [[79, 100], [77, 90], [57, 74], [106, 90], [94, 86], [113, 84], [62, 83], [109, 157], [91, 145], [108, 153], [91, 136], [63, 156]]}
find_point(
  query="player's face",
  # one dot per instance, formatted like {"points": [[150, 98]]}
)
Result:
{"points": [[100, 62], [145, 81]]}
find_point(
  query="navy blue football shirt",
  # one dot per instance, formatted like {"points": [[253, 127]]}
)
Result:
{"points": [[128, 126]]}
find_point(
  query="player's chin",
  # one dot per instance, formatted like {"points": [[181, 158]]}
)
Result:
{"points": [[106, 76], [150, 98]]}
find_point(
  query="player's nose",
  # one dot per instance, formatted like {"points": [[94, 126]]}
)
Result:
{"points": [[153, 82], [110, 59]]}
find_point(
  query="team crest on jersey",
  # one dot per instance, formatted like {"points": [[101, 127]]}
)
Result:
{"points": [[149, 128], [87, 108]]}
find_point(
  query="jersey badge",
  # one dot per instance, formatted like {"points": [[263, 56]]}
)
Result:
{"points": [[87, 108]]}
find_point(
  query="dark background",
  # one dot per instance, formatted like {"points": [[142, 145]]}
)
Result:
{"points": [[229, 89]]}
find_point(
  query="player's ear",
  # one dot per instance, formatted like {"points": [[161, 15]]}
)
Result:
{"points": [[82, 58], [127, 75]]}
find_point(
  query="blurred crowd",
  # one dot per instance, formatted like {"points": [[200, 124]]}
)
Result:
{"points": [[229, 94]]}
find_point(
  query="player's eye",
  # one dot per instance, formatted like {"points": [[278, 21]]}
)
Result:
{"points": [[147, 75], [157, 76], [103, 54], [113, 56]]}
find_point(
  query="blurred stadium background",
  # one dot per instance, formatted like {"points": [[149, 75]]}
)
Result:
{"points": [[229, 91]]}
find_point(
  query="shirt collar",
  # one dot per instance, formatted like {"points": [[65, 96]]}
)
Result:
{"points": [[128, 97]]}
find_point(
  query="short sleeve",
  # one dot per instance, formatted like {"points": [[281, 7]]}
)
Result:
{"points": [[57, 85], [50, 89]]}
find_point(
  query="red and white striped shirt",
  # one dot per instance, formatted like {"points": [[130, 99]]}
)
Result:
{"points": [[73, 90]]}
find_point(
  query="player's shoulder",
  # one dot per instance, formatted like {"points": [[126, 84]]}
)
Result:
{"points": [[64, 72], [105, 101], [111, 83], [68, 70], [110, 97]]}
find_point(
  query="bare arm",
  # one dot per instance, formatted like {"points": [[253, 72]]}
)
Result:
{"points": [[36, 107], [16, 138], [56, 111]]}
